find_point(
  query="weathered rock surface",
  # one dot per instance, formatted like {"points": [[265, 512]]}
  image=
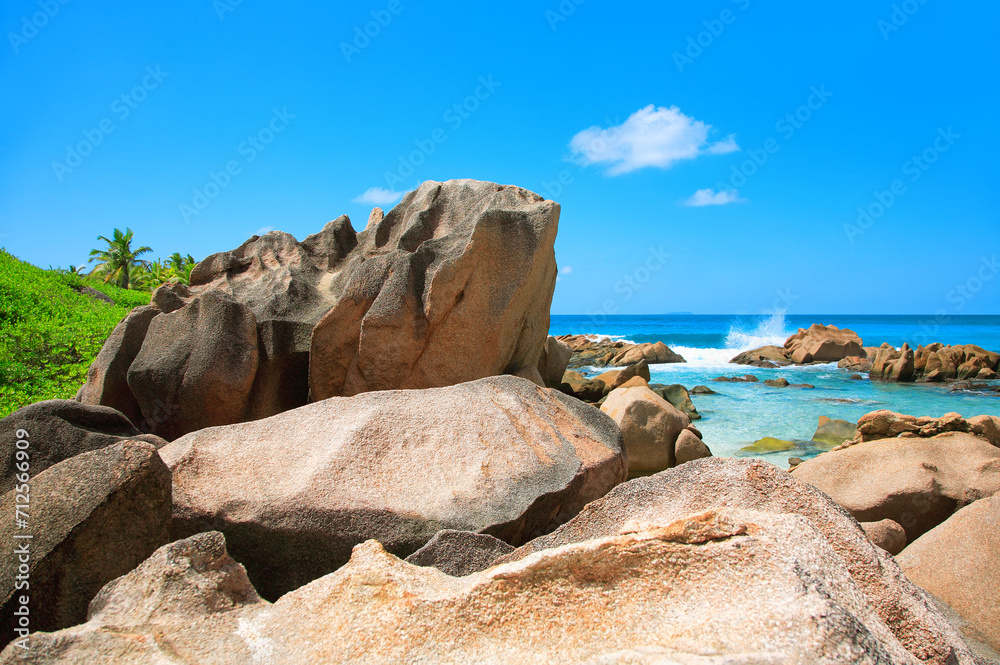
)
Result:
{"points": [[916, 482], [594, 351], [650, 426], [746, 378], [677, 395], [59, 429], [884, 424], [833, 432], [820, 343], [765, 356], [460, 553], [777, 383], [553, 361], [777, 588], [702, 390], [295, 492], [856, 364], [91, 518], [615, 378], [453, 285], [893, 365], [689, 446], [750, 484], [957, 562], [579, 386], [887, 534]]}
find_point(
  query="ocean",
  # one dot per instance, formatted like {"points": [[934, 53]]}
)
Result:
{"points": [[742, 413]]}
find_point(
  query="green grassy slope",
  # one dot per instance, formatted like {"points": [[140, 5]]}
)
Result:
{"points": [[50, 333]]}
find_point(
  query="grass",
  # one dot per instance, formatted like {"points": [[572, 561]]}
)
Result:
{"points": [[49, 332]]}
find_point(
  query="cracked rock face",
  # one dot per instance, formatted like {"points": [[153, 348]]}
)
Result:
{"points": [[295, 492], [718, 586], [452, 285]]}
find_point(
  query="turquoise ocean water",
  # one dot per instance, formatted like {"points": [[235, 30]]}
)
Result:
{"points": [[743, 413]]}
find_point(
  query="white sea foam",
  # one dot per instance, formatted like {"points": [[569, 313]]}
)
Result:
{"points": [[704, 357], [770, 331]]}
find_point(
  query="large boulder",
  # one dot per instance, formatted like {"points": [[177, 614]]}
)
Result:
{"points": [[765, 356], [916, 482], [893, 365], [553, 361], [295, 492], [460, 553], [679, 396], [107, 376], [885, 424], [196, 366], [820, 343], [454, 284], [91, 518], [650, 352], [616, 378], [937, 362], [754, 485], [58, 429], [650, 426], [582, 388], [189, 599], [719, 586], [957, 562]]}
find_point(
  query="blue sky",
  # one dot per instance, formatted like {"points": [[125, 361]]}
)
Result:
{"points": [[643, 120]]}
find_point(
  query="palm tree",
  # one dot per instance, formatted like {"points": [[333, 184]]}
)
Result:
{"points": [[160, 272], [117, 261], [180, 267]]}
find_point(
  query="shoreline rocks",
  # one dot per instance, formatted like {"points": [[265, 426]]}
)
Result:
{"points": [[295, 492], [597, 351]]}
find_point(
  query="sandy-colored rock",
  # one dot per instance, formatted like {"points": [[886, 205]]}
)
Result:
{"points": [[460, 553], [887, 534], [579, 386], [957, 562], [91, 518], [615, 378], [719, 586], [820, 343], [59, 429], [885, 424], [634, 382], [856, 364], [531, 373], [453, 285], [295, 492], [553, 361], [650, 352], [765, 356], [689, 446], [650, 426], [755, 485], [777, 383], [893, 365], [916, 482]]}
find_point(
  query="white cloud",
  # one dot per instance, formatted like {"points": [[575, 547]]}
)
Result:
{"points": [[652, 136], [264, 230], [708, 197], [566, 270], [379, 196]]}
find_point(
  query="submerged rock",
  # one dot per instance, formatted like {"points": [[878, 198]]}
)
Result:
{"points": [[832, 432]]}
